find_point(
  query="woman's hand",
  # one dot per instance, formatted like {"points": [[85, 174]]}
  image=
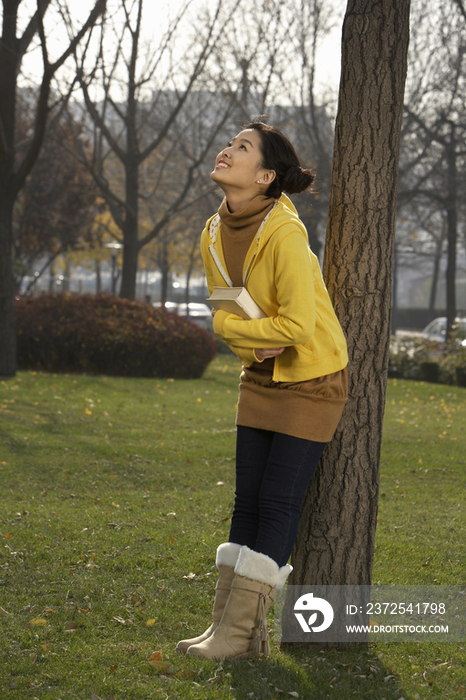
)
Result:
{"points": [[264, 353]]}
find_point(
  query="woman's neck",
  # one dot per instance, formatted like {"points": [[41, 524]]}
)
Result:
{"points": [[238, 200]]}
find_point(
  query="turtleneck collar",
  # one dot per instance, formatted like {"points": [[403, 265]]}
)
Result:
{"points": [[242, 220]]}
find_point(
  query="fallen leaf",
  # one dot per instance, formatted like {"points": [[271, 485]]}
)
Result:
{"points": [[71, 626], [7, 537], [151, 622], [162, 666], [38, 621], [156, 656], [186, 673], [113, 668], [171, 540]]}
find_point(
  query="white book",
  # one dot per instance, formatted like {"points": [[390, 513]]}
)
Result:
{"points": [[235, 300]]}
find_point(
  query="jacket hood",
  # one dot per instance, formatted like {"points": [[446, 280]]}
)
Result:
{"points": [[283, 216], [280, 218], [284, 212]]}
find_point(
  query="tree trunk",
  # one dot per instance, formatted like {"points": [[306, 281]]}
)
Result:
{"points": [[98, 277], [452, 232], [51, 279], [9, 63], [335, 542], [164, 267], [394, 324], [435, 274], [7, 312]]}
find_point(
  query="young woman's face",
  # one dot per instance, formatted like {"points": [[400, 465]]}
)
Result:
{"points": [[239, 164]]}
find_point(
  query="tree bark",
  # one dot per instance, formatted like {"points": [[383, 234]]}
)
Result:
{"points": [[7, 295], [8, 72], [335, 541]]}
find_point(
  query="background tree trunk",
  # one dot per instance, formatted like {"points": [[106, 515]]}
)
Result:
{"points": [[452, 230], [7, 313], [335, 541]]}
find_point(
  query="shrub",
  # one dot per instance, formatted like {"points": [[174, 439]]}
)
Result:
{"points": [[406, 355], [453, 365], [417, 358], [107, 335]]}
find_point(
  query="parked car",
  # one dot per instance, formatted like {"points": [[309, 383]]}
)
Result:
{"points": [[436, 330], [200, 314]]}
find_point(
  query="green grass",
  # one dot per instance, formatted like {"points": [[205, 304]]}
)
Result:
{"points": [[114, 496]]}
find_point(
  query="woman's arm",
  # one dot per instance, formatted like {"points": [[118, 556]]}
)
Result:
{"points": [[294, 322]]}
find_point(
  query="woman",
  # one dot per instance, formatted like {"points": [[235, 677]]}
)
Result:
{"points": [[293, 384]]}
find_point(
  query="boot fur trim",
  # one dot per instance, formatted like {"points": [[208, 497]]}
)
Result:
{"points": [[283, 574], [256, 566], [227, 554]]}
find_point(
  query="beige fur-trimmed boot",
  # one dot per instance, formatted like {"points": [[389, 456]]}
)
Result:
{"points": [[227, 556], [243, 629]]}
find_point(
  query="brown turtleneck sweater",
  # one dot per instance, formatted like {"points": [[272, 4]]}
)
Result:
{"points": [[310, 410], [238, 230]]}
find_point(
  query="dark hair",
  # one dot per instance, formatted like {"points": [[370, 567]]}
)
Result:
{"points": [[279, 155]]}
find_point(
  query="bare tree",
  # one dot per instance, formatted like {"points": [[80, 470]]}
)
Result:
{"points": [[135, 100], [13, 169], [335, 542], [314, 108], [252, 58], [421, 235], [433, 165], [56, 207]]}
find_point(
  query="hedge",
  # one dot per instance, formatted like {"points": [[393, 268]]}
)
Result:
{"points": [[104, 334], [417, 358]]}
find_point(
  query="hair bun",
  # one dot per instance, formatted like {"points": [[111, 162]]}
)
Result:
{"points": [[279, 155], [297, 179]]}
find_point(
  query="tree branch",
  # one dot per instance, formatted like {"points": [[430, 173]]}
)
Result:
{"points": [[29, 33], [42, 105]]}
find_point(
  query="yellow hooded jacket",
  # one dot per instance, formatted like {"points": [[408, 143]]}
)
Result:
{"points": [[284, 278]]}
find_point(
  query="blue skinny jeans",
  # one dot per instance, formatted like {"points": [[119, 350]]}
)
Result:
{"points": [[273, 472]]}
